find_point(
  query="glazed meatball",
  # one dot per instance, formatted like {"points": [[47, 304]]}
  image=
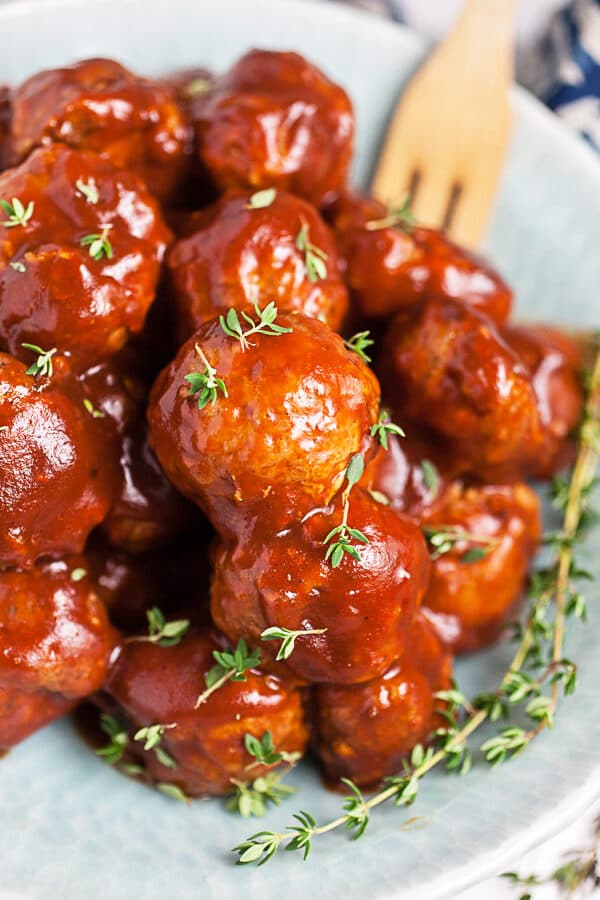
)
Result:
{"points": [[54, 631], [24, 712], [79, 268], [292, 410], [57, 478], [239, 255], [99, 105], [389, 267], [365, 731], [151, 684], [413, 474], [366, 605], [129, 585], [274, 120], [448, 367], [476, 584], [555, 363], [148, 512]]}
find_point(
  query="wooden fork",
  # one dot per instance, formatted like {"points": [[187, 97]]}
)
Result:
{"points": [[449, 133]]}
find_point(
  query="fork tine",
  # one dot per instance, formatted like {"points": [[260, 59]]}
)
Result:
{"points": [[472, 210], [432, 197], [394, 176]]}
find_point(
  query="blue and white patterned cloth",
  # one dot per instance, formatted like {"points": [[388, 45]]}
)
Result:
{"points": [[563, 65]]}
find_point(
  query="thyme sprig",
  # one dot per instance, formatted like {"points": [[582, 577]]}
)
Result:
{"points": [[397, 217], [554, 585], [161, 632], [431, 477], [315, 259], [262, 199], [17, 213], [251, 798], [581, 868], [43, 363], [151, 735], [358, 344], [288, 638], [112, 752], [265, 324], [383, 427], [343, 532], [98, 244], [205, 386], [444, 539], [88, 189], [231, 665]]}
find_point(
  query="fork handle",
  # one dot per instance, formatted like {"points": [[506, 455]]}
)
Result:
{"points": [[493, 18]]}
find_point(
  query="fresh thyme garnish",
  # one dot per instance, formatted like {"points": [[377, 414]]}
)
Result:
{"points": [[444, 538], [197, 86], [266, 325], [205, 385], [94, 413], [88, 189], [262, 199], [264, 752], [384, 427], [78, 574], [358, 344], [581, 869], [231, 665], [161, 632], [172, 791], [18, 266], [401, 217], [379, 497], [16, 212], [43, 364], [98, 244], [112, 753], [288, 638], [343, 532], [250, 798], [431, 477], [539, 639], [152, 737], [315, 259]]}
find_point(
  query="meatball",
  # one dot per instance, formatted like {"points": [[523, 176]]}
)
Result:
{"points": [[151, 684], [365, 605], [24, 712], [447, 367], [555, 363], [365, 731], [274, 120], [413, 474], [79, 267], [54, 631], [148, 512], [389, 267], [130, 585], [57, 478], [99, 105], [287, 416], [475, 585], [239, 255]]}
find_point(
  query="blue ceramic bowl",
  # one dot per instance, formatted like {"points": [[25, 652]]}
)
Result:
{"points": [[70, 827]]}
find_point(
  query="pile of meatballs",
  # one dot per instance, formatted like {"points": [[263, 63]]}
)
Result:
{"points": [[195, 427]]}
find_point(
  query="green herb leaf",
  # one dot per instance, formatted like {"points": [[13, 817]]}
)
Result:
{"points": [[17, 213], [315, 259], [358, 344], [43, 364], [262, 199], [384, 427], [88, 189], [98, 244]]}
